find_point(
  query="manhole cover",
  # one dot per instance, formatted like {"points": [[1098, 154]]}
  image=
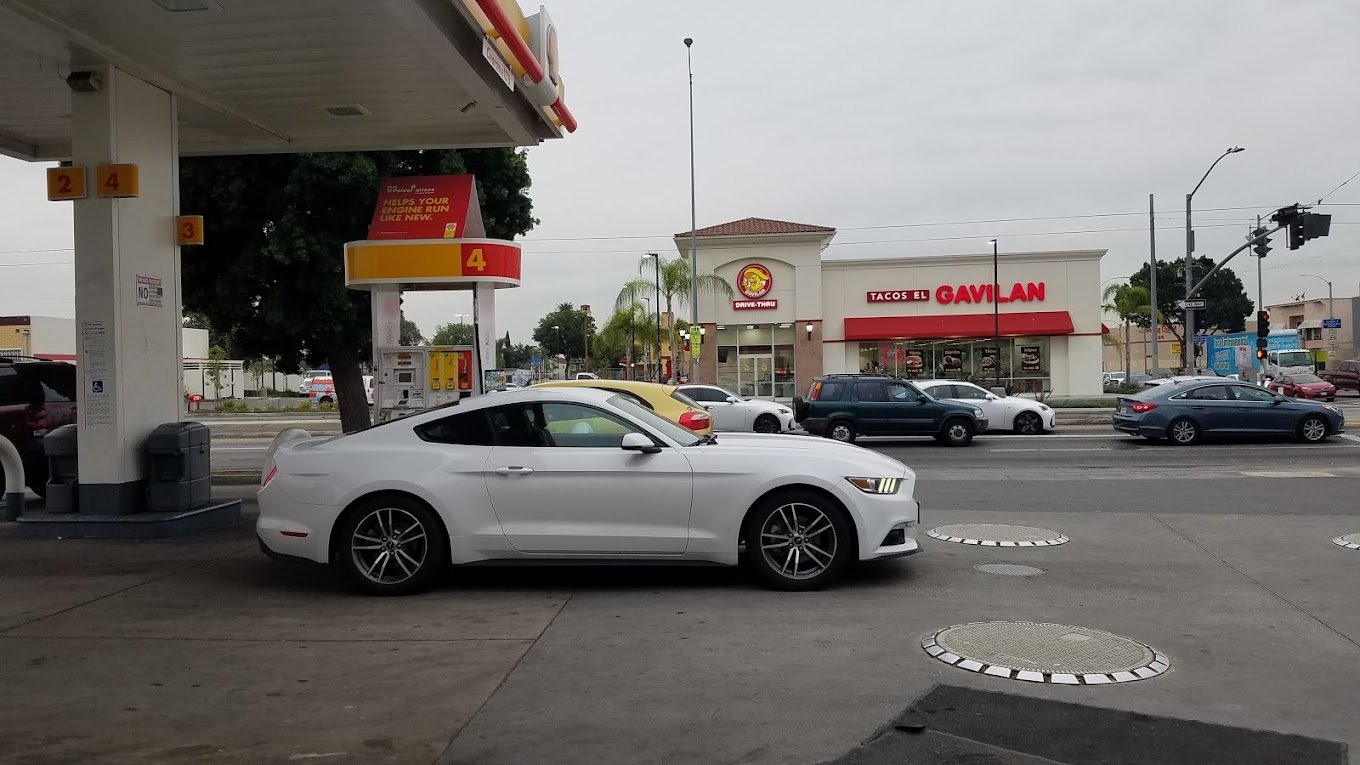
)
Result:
{"points": [[1348, 541], [997, 535], [1008, 569], [1045, 653]]}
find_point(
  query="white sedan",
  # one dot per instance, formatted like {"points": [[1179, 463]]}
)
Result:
{"points": [[1022, 415], [577, 474], [734, 413]]}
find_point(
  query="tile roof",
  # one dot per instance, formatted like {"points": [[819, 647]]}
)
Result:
{"points": [[755, 226]]}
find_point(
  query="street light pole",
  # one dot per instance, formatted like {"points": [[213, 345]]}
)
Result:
{"points": [[996, 308], [1155, 323], [693, 226], [1188, 347]]}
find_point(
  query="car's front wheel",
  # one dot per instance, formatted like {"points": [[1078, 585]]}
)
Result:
{"points": [[1183, 432], [957, 432], [391, 545], [767, 423], [1313, 429], [1028, 424], [798, 540]]}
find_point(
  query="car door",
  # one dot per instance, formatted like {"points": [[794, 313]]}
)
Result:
{"points": [[1213, 407], [561, 484], [873, 411], [1257, 411], [913, 413], [726, 415]]}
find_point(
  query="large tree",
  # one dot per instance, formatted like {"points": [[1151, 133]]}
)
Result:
{"points": [[564, 331], [271, 272], [510, 355], [1129, 303], [1227, 303], [674, 278], [626, 329], [453, 334]]}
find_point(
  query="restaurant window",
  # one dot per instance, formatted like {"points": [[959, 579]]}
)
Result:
{"points": [[757, 360]]}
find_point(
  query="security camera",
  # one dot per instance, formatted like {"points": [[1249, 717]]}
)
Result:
{"points": [[84, 82]]}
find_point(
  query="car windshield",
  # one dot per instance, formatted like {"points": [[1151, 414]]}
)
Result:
{"points": [[1305, 379], [1294, 359], [654, 421]]}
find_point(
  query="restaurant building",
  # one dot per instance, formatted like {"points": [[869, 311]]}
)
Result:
{"points": [[796, 315]]}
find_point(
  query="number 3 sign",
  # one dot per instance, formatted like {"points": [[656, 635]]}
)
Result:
{"points": [[189, 229]]}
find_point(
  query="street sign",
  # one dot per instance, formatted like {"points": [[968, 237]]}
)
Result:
{"points": [[1331, 324], [1192, 304]]}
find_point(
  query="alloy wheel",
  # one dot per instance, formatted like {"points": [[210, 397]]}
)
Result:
{"points": [[842, 432], [1028, 423], [1184, 432], [798, 540], [389, 545], [766, 424], [1314, 429]]}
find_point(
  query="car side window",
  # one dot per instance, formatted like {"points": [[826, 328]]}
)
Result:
{"points": [[12, 388], [1245, 393], [635, 398], [1210, 393], [465, 429], [871, 391], [577, 425], [968, 392], [702, 394], [900, 392], [831, 391], [518, 425]]}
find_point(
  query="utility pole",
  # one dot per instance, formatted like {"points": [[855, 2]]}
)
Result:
{"points": [[693, 223], [1155, 323], [1188, 347]]}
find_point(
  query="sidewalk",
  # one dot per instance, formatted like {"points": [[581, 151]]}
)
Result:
{"points": [[197, 649]]}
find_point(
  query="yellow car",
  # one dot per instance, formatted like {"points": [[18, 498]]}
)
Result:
{"points": [[665, 400]]}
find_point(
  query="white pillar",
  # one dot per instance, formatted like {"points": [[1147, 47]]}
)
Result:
{"points": [[385, 304], [128, 351], [484, 314]]}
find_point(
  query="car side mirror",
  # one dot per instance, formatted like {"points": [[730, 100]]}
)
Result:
{"points": [[1280, 399], [637, 442], [733, 400], [993, 397]]}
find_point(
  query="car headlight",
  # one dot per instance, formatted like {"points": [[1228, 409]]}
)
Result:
{"points": [[1043, 407], [876, 485], [978, 413], [782, 410], [1336, 409]]}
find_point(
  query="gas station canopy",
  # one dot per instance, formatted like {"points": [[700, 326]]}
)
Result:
{"points": [[258, 76]]}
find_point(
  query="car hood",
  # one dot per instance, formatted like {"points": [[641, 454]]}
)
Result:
{"points": [[1315, 386], [794, 448]]}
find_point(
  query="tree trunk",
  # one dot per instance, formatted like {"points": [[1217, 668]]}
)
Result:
{"points": [[671, 330], [1128, 355], [350, 394]]}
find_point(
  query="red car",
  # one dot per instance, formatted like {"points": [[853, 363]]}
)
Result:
{"points": [[1303, 386]]}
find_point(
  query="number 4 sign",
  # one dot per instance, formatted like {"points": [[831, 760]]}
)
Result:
{"points": [[116, 181]]}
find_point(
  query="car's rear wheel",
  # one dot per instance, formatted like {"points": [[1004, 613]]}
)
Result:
{"points": [[798, 540], [325, 400], [391, 545], [1028, 424], [1313, 429], [767, 423], [1183, 432], [957, 432], [841, 430]]}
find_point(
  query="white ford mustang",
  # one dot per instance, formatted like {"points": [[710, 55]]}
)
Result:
{"points": [[577, 474]]}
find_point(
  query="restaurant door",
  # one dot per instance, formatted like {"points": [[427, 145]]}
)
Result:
{"points": [[756, 376]]}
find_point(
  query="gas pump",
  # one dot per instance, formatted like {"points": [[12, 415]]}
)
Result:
{"points": [[413, 378]]}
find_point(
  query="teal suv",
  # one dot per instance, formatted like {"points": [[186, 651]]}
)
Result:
{"points": [[844, 407]]}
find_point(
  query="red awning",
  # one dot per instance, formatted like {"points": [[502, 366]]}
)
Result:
{"points": [[957, 326]]}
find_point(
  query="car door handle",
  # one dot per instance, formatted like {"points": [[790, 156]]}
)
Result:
{"points": [[514, 470]]}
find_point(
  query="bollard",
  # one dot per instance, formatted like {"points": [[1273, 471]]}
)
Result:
{"points": [[14, 479]]}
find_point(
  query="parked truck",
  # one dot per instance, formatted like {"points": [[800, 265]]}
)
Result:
{"points": [[1345, 377], [1235, 353]]}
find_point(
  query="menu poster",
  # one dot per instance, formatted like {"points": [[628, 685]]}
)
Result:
{"points": [[913, 362], [1030, 358], [953, 360], [990, 359]]}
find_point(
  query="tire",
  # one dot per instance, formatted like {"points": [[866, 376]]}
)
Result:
{"points": [[325, 400], [798, 561], [766, 423], [1183, 432], [1029, 424], [841, 430], [956, 432], [1313, 429], [417, 547]]}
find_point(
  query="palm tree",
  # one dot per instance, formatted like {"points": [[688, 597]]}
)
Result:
{"points": [[1128, 303], [627, 325], [674, 278]]}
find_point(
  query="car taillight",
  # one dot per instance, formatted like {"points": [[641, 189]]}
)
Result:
{"points": [[695, 420], [816, 392], [273, 471], [1142, 406]]}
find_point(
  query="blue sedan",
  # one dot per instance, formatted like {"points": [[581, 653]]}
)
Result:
{"points": [[1185, 412]]}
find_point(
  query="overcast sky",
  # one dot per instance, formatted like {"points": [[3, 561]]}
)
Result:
{"points": [[893, 120]]}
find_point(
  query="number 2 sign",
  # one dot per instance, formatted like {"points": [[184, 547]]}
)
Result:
{"points": [[66, 183]]}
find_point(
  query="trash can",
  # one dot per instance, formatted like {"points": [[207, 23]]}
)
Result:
{"points": [[180, 470], [63, 474]]}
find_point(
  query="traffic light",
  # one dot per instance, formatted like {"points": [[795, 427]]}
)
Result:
{"points": [[1302, 226], [1262, 325], [1263, 245], [1295, 230], [1260, 351]]}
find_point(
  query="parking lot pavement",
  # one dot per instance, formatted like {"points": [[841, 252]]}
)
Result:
{"points": [[201, 650]]}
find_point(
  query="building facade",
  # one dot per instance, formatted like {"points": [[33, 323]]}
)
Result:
{"points": [[1329, 345], [796, 315]]}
